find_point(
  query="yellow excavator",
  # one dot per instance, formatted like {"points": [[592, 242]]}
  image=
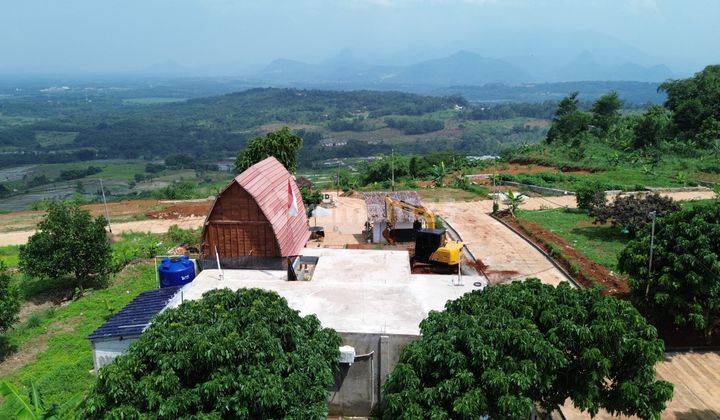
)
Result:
{"points": [[431, 245]]}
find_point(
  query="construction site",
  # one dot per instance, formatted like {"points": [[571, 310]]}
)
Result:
{"points": [[370, 266]]}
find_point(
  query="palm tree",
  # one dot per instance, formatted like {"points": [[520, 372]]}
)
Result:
{"points": [[513, 201]]}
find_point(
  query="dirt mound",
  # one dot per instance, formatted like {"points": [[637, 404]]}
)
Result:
{"points": [[181, 210]]}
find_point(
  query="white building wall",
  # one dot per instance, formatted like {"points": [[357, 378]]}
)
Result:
{"points": [[378, 228], [105, 352]]}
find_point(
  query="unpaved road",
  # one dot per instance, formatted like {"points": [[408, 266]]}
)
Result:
{"points": [[508, 256], [151, 226]]}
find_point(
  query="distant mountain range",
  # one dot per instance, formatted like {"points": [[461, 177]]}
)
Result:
{"points": [[461, 68]]}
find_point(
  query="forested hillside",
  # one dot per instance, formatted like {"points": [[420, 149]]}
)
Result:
{"points": [[54, 128]]}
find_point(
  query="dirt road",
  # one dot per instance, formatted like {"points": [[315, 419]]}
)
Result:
{"points": [[152, 226], [507, 256]]}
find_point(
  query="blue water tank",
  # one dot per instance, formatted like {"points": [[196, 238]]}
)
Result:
{"points": [[176, 271]]}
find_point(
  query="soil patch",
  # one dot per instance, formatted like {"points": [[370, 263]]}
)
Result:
{"points": [[586, 272], [181, 210], [568, 169], [531, 168]]}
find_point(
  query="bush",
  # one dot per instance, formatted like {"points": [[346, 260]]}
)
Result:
{"points": [[179, 235], [241, 354], [9, 299], [632, 212], [590, 195], [134, 246], [69, 245], [501, 351], [683, 284]]}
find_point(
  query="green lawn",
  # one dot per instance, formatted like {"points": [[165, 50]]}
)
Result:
{"points": [[52, 342], [55, 340], [601, 243], [9, 255]]}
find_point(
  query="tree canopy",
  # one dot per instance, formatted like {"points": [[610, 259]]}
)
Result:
{"points": [[606, 110], [695, 104], [500, 351], [684, 284], [70, 245], [569, 120], [282, 144], [241, 354], [633, 212], [651, 128]]}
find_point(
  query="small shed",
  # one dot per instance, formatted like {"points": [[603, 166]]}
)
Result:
{"points": [[115, 336], [251, 216], [377, 212]]}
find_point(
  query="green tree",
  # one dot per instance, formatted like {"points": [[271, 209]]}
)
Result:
{"points": [[241, 354], [569, 122], [694, 103], [590, 195], [282, 144], [606, 110], [652, 128], [503, 350], [9, 299], [632, 213], [69, 245], [682, 286]]}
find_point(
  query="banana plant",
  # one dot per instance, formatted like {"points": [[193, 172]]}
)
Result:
{"points": [[33, 407], [438, 173], [513, 201]]}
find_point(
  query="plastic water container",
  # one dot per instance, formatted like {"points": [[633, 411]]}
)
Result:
{"points": [[176, 271]]}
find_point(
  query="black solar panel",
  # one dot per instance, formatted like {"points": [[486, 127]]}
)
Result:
{"points": [[136, 315]]}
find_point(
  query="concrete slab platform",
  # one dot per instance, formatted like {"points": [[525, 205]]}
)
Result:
{"points": [[352, 291]]}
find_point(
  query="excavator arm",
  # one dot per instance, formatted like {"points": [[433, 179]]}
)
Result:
{"points": [[418, 211]]}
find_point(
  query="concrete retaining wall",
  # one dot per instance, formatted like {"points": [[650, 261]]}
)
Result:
{"points": [[357, 389]]}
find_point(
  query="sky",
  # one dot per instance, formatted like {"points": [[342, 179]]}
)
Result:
{"points": [[236, 36]]}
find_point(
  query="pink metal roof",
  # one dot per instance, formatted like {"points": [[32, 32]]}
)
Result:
{"points": [[267, 182]]}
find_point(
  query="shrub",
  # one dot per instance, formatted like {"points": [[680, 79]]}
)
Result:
{"points": [[683, 284], [241, 354], [134, 246], [590, 195], [69, 245], [9, 299], [501, 351], [632, 212], [179, 235]]}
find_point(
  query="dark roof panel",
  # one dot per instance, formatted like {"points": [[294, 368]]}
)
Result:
{"points": [[132, 320]]}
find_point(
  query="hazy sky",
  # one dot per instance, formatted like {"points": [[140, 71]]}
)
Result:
{"points": [[226, 36]]}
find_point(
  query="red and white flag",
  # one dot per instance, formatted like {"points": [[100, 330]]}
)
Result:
{"points": [[292, 201]]}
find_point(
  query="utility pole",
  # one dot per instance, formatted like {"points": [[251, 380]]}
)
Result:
{"points": [[653, 214], [107, 213]]}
